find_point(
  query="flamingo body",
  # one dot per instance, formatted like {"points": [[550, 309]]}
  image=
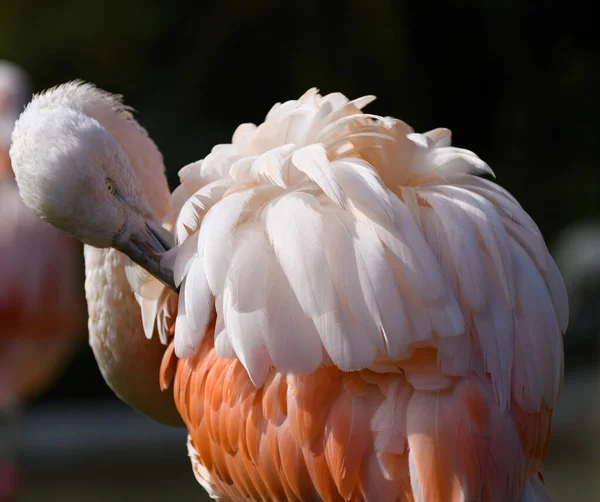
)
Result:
{"points": [[335, 436], [434, 355], [361, 316]]}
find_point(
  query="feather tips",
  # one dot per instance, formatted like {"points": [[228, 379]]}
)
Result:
{"points": [[294, 227], [314, 259]]}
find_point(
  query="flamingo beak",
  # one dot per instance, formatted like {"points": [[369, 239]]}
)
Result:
{"points": [[147, 245]]}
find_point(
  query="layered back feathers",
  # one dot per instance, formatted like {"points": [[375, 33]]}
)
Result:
{"points": [[329, 236]]}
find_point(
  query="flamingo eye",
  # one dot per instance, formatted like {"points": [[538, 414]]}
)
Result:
{"points": [[110, 186]]}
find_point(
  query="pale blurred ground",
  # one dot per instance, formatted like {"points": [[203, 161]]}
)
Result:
{"points": [[95, 452], [572, 469]]}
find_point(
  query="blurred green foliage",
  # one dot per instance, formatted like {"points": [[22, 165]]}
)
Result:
{"points": [[516, 81]]}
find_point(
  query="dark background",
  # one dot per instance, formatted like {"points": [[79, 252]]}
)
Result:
{"points": [[516, 81]]}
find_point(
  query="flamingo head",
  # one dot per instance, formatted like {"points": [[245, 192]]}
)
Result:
{"points": [[73, 173]]}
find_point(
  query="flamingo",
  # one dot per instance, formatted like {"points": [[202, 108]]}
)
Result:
{"points": [[348, 309], [40, 302]]}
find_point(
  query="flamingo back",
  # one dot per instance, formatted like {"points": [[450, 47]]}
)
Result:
{"points": [[358, 269]]}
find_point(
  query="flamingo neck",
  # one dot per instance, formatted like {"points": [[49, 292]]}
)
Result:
{"points": [[128, 361]]}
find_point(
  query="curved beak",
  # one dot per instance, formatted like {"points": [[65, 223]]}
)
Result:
{"points": [[146, 245]]}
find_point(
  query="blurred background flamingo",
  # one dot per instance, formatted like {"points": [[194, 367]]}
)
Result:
{"points": [[525, 72], [41, 305]]}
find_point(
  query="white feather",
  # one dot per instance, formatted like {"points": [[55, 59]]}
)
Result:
{"points": [[337, 125], [420, 326], [241, 170], [216, 164], [421, 141], [488, 189], [190, 172], [530, 241], [333, 107], [309, 96], [536, 318], [445, 316], [494, 327], [244, 311], [408, 247], [220, 318], [336, 99], [450, 161], [275, 110], [518, 223], [344, 341], [440, 137], [340, 108], [527, 385], [492, 232], [289, 335], [199, 300], [140, 280], [464, 246], [312, 160], [296, 127], [179, 197], [184, 254], [363, 186], [294, 227], [409, 197], [149, 308], [167, 310], [215, 241], [194, 209], [223, 346], [368, 136], [243, 132], [270, 165], [186, 339], [360, 103], [270, 310], [438, 243], [361, 271]]}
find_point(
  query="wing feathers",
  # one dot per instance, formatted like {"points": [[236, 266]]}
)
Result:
{"points": [[312, 160], [358, 250], [294, 227], [215, 241]]}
